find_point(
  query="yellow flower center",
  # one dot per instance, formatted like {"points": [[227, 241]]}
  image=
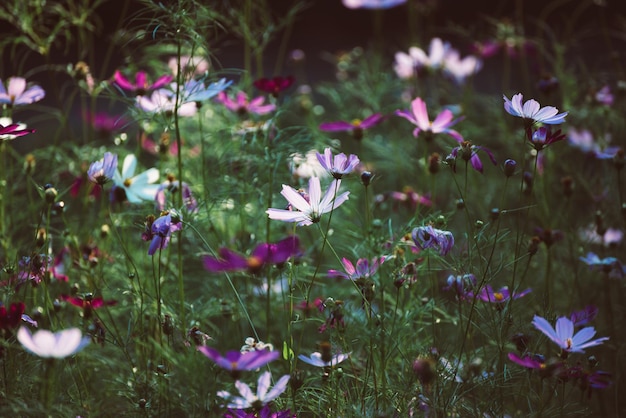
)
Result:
{"points": [[356, 122], [128, 182], [498, 296]]}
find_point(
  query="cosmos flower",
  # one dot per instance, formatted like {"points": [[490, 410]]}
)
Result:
{"points": [[315, 359], [543, 137], [88, 303], [604, 96], [610, 265], [408, 65], [372, 4], [164, 101], [263, 395], [418, 115], [263, 254], [429, 237], [17, 93], [462, 285], [306, 166], [340, 165], [161, 231], [357, 126], [265, 412], [584, 316], [532, 111], [274, 85], [141, 86], [102, 171], [564, 337], [12, 317], [584, 141], [171, 186], [469, 152], [13, 130], [408, 197], [236, 361], [199, 91], [528, 361], [136, 188], [309, 211], [46, 344], [242, 106], [363, 270], [487, 294], [459, 69]]}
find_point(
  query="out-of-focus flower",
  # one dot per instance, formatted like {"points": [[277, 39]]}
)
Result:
{"points": [[274, 85], [315, 359], [429, 237], [458, 68], [543, 137], [564, 336], [309, 211], [9, 131], [549, 236], [462, 285], [46, 344], [487, 294], [265, 412], [18, 93], [141, 86], [307, 166], [199, 91], [584, 141], [364, 270], [262, 255], [236, 361], [190, 66], [528, 361], [242, 106], [136, 188], [253, 345], [407, 197], [469, 152], [340, 165], [12, 317], [248, 399], [584, 316], [408, 65], [372, 4], [88, 303], [102, 171], [104, 124], [418, 115], [610, 265], [356, 126], [164, 101], [172, 187], [161, 231], [532, 112], [611, 237], [604, 96]]}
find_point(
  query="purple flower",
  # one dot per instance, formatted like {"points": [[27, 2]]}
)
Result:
{"points": [[140, 87], [315, 359], [582, 317], [171, 186], [487, 294], [242, 106], [236, 361], [309, 211], [262, 255], [429, 237], [102, 171], [584, 141], [564, 336], [263, 395], [372, 4], [469, 153], [418, 115], [46, 344], [356, 126], [161, 231], [363, 269], [265, 412], [462, 284], [610, 265], [340, 165], [528, 361], [13, 130], [604, 96], [543, 137], [18, 94], [532, 111]]}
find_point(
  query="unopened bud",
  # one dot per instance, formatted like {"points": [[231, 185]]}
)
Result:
{"points": [[509, 167], [366, 178], [50, 193]]}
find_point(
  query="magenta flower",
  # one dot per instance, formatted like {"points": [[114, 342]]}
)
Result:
{"points": [[236, 361], [528, 361], [12, 131], [340, 165], [88, 303], [372, 4], [469, 153], [274, 85], [141, 86], [356, 126], [543, 137], [408, 197], [102, 171], [418, 115], [363, 270], [242, 106], [11, 318], [487, 294], [564, 336], [429, 237], [309, 211], [17, 93], [262, 255], [532, 112], [263, 393]]}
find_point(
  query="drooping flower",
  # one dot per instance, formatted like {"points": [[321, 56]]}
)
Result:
{"points": [[532, 112], [418, 115], [242, 106], [357, 126], [487, 294], [564, 336], [161, 230], [363, 270], [198, 91], [263, 395], [17, 93], [141, 86], [46, 344], [262, 255], [13, 130], [469, 152], [135, 188], [543, 137], [274, 85], [164, 101], [429, 237], [309, 211], [315, 359], [103, 171], [372, 4], [340, 165], [236, 361]]}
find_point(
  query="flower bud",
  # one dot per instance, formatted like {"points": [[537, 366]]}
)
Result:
{"points": [[366, 178], [50, 193], [29, 164], [495, 214], [509, 167], [460, 204]]}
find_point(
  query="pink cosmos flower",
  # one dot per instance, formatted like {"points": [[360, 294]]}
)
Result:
{"points": [[356, 126], [418, 115], [164, 101], [363, 268], [604, 96], [242, 106], [18, 94], [340, 165], [141, 86]]}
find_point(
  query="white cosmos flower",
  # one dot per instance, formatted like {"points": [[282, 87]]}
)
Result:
{"points": [[139, 187], [263, 396], [309, 211], [47, 344]]}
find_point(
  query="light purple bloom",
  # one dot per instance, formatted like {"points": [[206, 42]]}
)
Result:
{"points": [[356, 126], [46, 344], [242, 106], [461, 284], [469, 153], [604, 96], [102, 171], [487, 294], [315, 359], [418, 115], [340, 165], [363, 270], [584, 141], [140, 87], [265, 412], [429, 237], [309, 211], [407, 65], [586, 315], [564, 336], [532, 111], [263, 394], [459, 68], [372, 4], [18, 94], [236, 361]]}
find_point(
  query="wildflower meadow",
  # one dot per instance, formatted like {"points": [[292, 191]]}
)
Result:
{"points": [[312, 208]]}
